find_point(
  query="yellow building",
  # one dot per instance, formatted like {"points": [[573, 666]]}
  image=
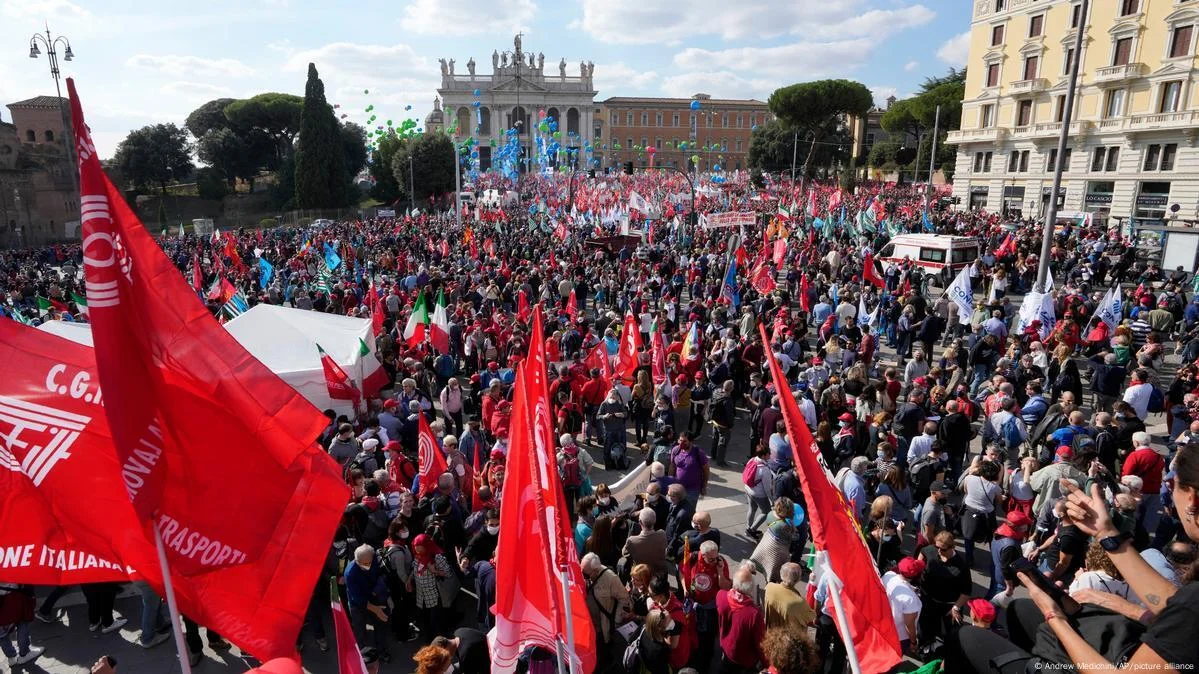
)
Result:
{"points": [[1131, 152]]}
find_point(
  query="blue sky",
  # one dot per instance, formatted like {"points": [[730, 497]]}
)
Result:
{"points": [[139, 62]]}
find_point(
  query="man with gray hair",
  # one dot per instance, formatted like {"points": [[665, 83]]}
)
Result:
{"points": [[1148, 463], [853, 485], [366, 594], [742, 623], [649, 545], [785, 603], [608, 603]]}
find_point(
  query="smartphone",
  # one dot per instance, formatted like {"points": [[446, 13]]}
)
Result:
{"points": [[1023, 565]]}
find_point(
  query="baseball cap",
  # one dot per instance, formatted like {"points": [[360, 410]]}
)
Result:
{"points": [[910, 567], [982, 609], [940, 486]]}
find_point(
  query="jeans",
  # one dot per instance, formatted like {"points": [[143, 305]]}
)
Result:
{"points": [[22, 633], [152, 617], [761, 506], [981, 372], [720, 442]]}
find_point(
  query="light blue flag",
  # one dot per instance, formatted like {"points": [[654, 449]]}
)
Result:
{"points": [[266, 271], [332, 259], [928, 224], [729, 287]]}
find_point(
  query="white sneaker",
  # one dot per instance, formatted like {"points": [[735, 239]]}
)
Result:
{"points": [[33, 654], [116, 625]]}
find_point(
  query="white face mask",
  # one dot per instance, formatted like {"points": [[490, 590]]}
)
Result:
{"points": [[403, 534], [605, 500], [493, 530], [653, 498]]}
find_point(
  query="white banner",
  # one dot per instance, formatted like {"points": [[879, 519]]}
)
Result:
{"points": [[1111, 308], [1038, 307], [386, 213], [730, 219], [962, 295]]}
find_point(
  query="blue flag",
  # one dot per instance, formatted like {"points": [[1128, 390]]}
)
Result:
{"points": [[928, 224], [332, 259], [266, 271], [729, 287]]}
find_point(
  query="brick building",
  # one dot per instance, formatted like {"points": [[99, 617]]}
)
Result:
{"points": [[664, 123], [39, 202]]}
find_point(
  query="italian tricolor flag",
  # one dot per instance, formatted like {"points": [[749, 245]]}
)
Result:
{"points": [[80, 303], [440, 332], [784, 212], [414, 331]]}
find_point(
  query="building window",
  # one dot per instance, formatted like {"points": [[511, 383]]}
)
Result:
{"points": [[986, 118], [1059, 109], [1160, 157], [658, 119], [1000, 5], [996, 35], [630, 144], [645, 119], [1069, 62], [614, 120], [982, 162], [1105, 159], [657, 143], [993, 75], [978, 162], [30, 136], [987, 161], [628, 119], [675, 120], [48, 135], [1180, 43], [1171, 96], [1030, 67], [724, 121], [1024, 113], [1018, 162], [1114, 105], [724, 144], [1123, 52], [1129, 7], [644, 142], [1051, 163], [1036, 25], [1075, 15], [738, 146]]}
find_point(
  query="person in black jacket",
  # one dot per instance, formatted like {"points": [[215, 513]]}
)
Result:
{"points": [[955, 433], [983, 357], [723, 415], [1107, 380]]}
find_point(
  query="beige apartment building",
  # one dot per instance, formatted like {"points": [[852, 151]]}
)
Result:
{"points": [[1132, 152]]}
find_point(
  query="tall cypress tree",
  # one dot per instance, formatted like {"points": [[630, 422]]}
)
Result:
{"points": [[320, 158]]}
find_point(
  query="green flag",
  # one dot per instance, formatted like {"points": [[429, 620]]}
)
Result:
{"points": [[363, 349]]}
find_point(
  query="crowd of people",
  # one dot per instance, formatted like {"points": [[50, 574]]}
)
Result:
{"points": [[945, 433]]}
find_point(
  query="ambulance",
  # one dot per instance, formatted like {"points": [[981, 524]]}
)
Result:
{"points": [[933, 252]]}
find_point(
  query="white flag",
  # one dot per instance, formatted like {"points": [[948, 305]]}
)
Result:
{"points": [[638, 202], [1111, 308], [962, 294], [1048, 279], [1038, 307], [863, 315]]}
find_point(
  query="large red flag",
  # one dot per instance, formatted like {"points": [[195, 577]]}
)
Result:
{"points": [[377, 311], [197, 274], [522, 306], [780, 251], [349, 658], [630, 345], [55, 444], [597, 358], [572, 305], [339, 384], [870, 272], [535, 535], [186, 402], [658, 356], [836, 533], [432, 461], [762, 277], [805, 299]]}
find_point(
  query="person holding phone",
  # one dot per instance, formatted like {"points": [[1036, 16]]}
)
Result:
{"points": [[1168, 644]]}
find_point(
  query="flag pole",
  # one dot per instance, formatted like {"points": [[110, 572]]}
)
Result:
{"points": [[569, 641], [172, 607], [834, 591]]}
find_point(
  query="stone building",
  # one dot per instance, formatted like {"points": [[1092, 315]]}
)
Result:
{"points": [[39, 202]]}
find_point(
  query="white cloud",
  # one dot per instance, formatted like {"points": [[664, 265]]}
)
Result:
{"points": [[641, 22], [618, 77], [956, 50], [721, 84], [797, 61], [179, 65], [196, 91], [911, 66], [881, 93], [468, 17]]}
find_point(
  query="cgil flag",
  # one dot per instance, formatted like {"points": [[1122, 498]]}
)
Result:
{"points": [[1037, 307], [332, 259], [1111, 308], [728, 287], [658, 357], [867, 619], [430, 458], [638, 202], [417, 327], [439, 328], [630, 346], [962, 294]]}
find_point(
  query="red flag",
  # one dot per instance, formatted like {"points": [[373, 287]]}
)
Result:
{"points": [[658, 356], [349, 658], [741, 256], [649, 235], [597, 359], [1008, 247], [278, 666], [489, 247], [805, 300], [835, 532], [445, 248], [780, 324], [259, 605], [537, 535], [572, 305], [560, 231], [553, 263], [197, 274], [377, 311], [780, 251], [432, 461], [870, 272], [522, 306], [474, 249], [339, 384], [762, 278], [186, 401], [630, 345]]}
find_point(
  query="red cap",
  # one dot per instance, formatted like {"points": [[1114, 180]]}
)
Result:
{"points": [[390, 403], [910, 567], [982, 609], [846, 416]]}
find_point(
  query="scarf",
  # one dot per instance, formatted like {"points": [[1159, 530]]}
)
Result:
{"points": [[431, 549]]}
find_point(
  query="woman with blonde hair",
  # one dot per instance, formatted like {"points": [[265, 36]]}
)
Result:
{"points": [[774, 549], [433, 660], [659, 637]]}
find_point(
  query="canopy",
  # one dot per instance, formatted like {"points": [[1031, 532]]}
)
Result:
{"points": [[285, 339]]}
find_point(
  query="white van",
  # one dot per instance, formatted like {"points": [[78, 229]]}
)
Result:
{"points": [[934, 252]]}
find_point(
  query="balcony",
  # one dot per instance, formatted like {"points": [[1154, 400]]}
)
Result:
{"points": [[1116, 74], [1032, 86], [1054, 129], [966, 136], [1163, 121]]}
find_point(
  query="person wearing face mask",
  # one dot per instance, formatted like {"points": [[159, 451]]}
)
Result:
{"points": [[655, 501], [883, 539], [587, 511], [366, 594], [613, 413], [655, 643], [603, 499], [678, 517], [344, 446], [397, 556], [482, 544]]}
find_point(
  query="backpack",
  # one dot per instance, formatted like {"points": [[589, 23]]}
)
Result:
{"points": [[749, 474], [1157, 401], [377, 524], [1010, 434], [405, 471], [632, 653], [572, 473]]}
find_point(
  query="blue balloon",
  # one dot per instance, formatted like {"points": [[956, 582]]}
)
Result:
{"points": [[474, 154], [477, 92], [695, 105], [716, 167], [754, 127], [476, 104]]}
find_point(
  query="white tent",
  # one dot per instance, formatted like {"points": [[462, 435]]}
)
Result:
{"points": [[285, 340]]}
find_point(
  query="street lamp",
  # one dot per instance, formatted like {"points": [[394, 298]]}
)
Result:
{"points": [[51, 43]]}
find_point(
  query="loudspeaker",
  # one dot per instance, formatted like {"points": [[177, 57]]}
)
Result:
{"points": [[628, 167]]}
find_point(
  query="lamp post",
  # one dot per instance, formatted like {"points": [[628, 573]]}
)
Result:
{"points": [[50, 42]]}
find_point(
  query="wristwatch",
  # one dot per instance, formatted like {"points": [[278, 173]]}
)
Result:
{"points": [[1113, 543]]}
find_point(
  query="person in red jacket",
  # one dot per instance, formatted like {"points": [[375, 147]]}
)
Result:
{"points": [[1148, 463], [742, 625], [663, 598]]}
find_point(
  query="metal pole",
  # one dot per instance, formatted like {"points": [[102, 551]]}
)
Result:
{"points": [[173, 608], [1063, 137], [932, 158], [457, 188], [794, 150], [569, 641], [834, 592], [411, 188]]}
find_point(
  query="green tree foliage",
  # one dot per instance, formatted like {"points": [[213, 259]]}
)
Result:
{"points": [[320, 157], [236, 153], [432, 166], [386, 187], [915, 118], [209, 116], [162, 214], [211, 184], [770, 147], [276, 115], [353, 141], [890, 155], [815, 109], [773, 145], [155, 155]]}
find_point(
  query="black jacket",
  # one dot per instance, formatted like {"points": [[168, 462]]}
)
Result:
{"points": [[955, 433]]}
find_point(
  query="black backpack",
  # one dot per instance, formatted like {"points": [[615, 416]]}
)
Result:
{"points": [[375, 531]]}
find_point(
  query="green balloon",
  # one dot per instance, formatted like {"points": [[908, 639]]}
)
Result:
{"points": [[557, 134], [695, 158], [389, 122]]}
